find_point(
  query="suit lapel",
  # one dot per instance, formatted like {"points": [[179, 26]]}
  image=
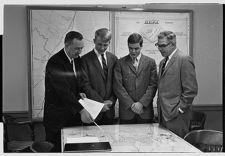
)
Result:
{"points": [[160, 68], [171, 61], [68, 67], [66, 61], [97, 63], [141, 64], [109, 62], [130, 64]]}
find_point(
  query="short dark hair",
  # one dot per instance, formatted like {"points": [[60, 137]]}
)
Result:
{"points": [[71, 35], [135, 38], [171, 36], [103, 33]]}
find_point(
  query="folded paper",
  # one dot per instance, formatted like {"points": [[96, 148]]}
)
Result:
{"points": [[93, 107]]}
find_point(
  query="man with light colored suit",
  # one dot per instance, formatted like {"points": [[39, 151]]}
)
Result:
{"points": [[177, 85], [135, 84], [98, 65]]}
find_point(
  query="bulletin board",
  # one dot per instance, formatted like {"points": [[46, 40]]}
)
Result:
{"points": [[48, 26]]}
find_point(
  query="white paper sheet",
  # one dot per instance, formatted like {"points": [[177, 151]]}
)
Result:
{"points": [[93, 107]]}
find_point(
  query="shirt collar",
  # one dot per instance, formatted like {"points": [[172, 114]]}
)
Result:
{"points": [[138, 57], [96, 52], [67, 56], [169, 57]]}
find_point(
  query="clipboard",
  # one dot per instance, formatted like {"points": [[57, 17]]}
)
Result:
{"points": [[88, 147]]}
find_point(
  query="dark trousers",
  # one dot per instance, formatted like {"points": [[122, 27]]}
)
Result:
{"points": [[136, 120], [53, 129], [178, 125]]}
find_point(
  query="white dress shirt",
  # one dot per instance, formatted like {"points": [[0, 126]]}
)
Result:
{"points": [[100, 57], [74, 69]]}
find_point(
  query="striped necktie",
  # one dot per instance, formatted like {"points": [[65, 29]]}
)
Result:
{"points": [[164, 65], [105, 69]]}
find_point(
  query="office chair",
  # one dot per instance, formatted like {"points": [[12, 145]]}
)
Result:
{"points": [[197, 120], [206, 140], [17, 136]]}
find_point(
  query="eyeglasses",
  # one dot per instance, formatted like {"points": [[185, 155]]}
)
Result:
{"points": [[161, 45]]}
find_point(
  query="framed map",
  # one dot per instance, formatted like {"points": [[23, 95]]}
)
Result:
{"points": [[149, 25], [49, 25], [47, 32]]}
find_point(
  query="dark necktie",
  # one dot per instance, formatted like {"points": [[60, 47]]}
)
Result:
{"points": [[76, 66], [73, 65], [164, 64], [105, 69]]}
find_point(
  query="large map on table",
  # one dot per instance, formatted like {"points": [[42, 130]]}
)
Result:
{"points": [[47, 30]]}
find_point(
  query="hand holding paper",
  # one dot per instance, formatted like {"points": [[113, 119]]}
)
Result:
{"points": [[107, 105], [93, 107], [83, 95], [85, 116]]}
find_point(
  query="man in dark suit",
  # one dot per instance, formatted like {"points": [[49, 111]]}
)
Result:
{"points": [[177, 85], [63, 88], [98, 65], [135, 84]]}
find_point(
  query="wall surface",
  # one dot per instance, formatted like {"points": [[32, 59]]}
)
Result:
{"points": [[207, 53], [15, 59], [207, 49]]}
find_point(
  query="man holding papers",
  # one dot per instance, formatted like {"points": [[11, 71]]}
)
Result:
{"points": [[63, 83], [98, 65]]}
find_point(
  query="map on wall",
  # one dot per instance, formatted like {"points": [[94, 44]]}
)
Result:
{"points": [[49, 27], [149, 24], [47, 30]]}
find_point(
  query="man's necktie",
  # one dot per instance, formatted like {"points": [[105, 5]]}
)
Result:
{"points": [[105, 69], [74, 69], [135, 63], [164, 65]]}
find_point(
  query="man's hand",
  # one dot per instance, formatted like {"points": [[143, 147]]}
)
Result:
{"points": [[85, 116], [107, 104], [83, 95], [137, 108]]}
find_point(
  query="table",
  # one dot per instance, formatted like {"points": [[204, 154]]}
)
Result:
{"points": [[133, 138]]}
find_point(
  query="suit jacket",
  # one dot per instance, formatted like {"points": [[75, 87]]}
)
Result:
{"points": [[177, 86], [62, 90], [131, 86], [97, 86]]}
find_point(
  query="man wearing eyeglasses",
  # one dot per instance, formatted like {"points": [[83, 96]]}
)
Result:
{"points": [[177, 85], [98, 65]]}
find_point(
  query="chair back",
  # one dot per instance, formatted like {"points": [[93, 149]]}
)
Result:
{"points": [[206, 140], [42, 146], [197, 120]]}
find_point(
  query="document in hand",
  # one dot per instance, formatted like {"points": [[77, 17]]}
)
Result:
{"points": [[93, 107]]}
